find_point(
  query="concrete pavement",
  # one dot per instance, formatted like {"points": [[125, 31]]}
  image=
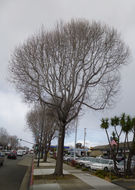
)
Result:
{"points": [[26, 161], [75, 179]]}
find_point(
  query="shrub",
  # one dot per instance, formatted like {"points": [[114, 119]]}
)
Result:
{"points": [[105, 175]]}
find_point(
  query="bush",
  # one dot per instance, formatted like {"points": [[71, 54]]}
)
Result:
{"points": [[101, 173], [78, 166], [84, 169], [105, 175]]}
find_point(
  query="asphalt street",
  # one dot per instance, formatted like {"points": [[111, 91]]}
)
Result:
{"points": [[11, 174]]}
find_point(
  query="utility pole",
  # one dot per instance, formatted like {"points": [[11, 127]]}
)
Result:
{"points": [[84, 140], [75, 139]]}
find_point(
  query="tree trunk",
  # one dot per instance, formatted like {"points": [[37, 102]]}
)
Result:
{"points": [[115, 164], [59, 161], [42, 152], [128, 171], [45, 156], [125, 155], [46, 149], [131, 153]]}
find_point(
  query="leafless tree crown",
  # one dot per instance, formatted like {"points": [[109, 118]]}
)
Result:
{"points": [[75, 64]]}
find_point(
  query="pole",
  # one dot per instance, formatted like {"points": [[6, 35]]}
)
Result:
{"points": [[26, 141], [75, 139], [84, 140]]}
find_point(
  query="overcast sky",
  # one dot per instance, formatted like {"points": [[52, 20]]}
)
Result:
{"points": [[19, 19]]}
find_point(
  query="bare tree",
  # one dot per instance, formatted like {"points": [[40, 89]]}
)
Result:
{"points": [[43, 124], [4, 137], [76, 64], [13, 141]]}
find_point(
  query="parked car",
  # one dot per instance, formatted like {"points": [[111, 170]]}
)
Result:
{"points": [[69, 158], [90, 160], [119, 158], [2, 158], [83, 161], [19, 152], [121, 165], [24, 152], [12, 155], [31, 151], [102, 164], [7, 152]]}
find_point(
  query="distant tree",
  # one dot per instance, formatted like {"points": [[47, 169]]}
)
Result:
{"points": [[4, 137], [76, 64], [43, 124], [13, 141], [78, 145]]}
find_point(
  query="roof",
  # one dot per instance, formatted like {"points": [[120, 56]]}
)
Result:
{"points": [[105, 147]]}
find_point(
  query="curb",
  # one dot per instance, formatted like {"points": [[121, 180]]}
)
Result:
{"points": [[26, 182], [31, 176]]}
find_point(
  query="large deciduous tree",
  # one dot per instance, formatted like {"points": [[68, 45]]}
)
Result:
{"points": [[74, 64]]}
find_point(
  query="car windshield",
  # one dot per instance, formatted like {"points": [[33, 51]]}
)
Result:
{"points": [[92, 159]]}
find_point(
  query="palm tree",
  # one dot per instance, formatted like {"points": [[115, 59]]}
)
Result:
{"points": [[115, 122], [105, 125], [131, 126], [126, 124]]}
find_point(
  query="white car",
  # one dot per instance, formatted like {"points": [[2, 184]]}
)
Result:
{"points": [[19, 152], [85, 160], [69, 158], [31, 151], [24, 152], [121, 165], [102, 164]]}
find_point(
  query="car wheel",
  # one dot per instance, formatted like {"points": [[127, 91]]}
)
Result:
{"points": [[106, 169]]}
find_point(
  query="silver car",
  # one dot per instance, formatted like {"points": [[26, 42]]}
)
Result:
{"points": [[84, 161], [102, 164], [121, 165]]}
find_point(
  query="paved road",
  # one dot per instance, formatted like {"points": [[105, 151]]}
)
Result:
{"points": [[12, 173]]}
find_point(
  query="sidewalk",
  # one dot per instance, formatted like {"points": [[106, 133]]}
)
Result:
{"points": [[74, 179]]}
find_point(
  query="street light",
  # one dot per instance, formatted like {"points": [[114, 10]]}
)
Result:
{"points": [[26, 141], [84, 141]]}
